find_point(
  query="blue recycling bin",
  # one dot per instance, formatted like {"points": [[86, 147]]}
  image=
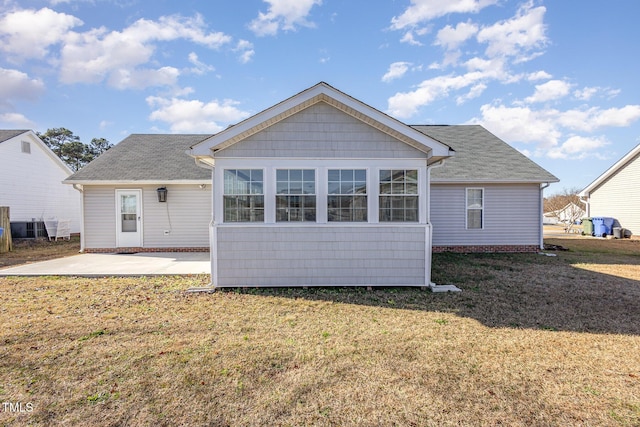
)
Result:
{"points": [[602, 226]]}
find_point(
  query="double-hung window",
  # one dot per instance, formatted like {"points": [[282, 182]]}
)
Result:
{"points": [[475, 208], [347, 195], [243, 195], [398, 200], [295, 195]]}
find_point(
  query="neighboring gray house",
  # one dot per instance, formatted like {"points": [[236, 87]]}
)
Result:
{"points": [[320, 189], [616, 193], [31, 178]]}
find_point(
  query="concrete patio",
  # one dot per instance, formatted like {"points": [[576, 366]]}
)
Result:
{"points": [[99, 265]]}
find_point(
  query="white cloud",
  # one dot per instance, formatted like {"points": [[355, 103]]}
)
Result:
{"points": [[549, 91], [421, 11], [403, 105], [119, 56], [586, 93], [475, 92], [284, 15], [246, 51], [141, 78], [15, 84], [200, 67], [450, 38], [578, 147], [30, 33], [516, 36], [396, 71], [193, 116], [15, 120], [588, 120], [538, 75], [545, 128], [521, 124]]}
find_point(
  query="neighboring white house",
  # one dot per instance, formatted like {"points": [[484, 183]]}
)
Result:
{"points": [[31, 178], [320, 189], [616, 193], [568, 214]]}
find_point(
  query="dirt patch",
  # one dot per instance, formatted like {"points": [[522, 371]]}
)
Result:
{"points": [[33, 250]]}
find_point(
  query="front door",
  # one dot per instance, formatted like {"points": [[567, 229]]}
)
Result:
{"points": [[129, 218]]}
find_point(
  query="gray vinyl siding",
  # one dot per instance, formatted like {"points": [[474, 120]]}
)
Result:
{"points": [[321, 131], [321, 255], [186, 213], [99, 217], [619, 197], [511, 215]]}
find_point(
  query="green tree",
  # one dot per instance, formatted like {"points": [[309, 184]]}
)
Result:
{"points": [[98, 146], [57, 138], [75, 154], [70, 149]]}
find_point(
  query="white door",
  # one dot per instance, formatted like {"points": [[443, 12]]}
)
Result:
{"points": [[129, 218]]}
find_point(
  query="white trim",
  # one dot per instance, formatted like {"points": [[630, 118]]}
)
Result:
{"points": [[140, 182], [466, 208], [321, 92], [321, 172], [140, 231], [609, 172]]}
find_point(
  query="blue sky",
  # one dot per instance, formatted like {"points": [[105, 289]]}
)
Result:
{"points": [[556, 80]]}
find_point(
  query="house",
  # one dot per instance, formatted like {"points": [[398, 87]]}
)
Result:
{"points": [[31, 178], [120, 197], [567, 215], [318, 190], [486, 198], [616, 193]]}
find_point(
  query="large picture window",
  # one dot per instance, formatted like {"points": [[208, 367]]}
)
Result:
{"points": [[295, 195], [398, 199], [243, 195], [347, 198], [475, 208]]}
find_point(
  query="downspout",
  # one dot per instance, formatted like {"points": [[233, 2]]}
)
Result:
{"points": [[79, 188], [587, 205], [212, 238], [429, 229], [542, 187]]}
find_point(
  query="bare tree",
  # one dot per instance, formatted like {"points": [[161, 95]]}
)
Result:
{"points": [[566, 205]]}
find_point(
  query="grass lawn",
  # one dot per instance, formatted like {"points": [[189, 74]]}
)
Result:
{"points": [[531, 341]]}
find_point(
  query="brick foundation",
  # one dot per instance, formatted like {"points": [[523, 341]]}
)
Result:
{"points": [[487, 249], [136, 250]]}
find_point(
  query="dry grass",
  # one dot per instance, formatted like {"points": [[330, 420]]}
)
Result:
{"points": [[532, 340], [31, 250]]}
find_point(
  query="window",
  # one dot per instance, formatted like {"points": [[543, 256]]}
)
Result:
{"points": [[243, 195], [398, 195], [26, 147], [295, 195], [347, 198], [475, 208]]}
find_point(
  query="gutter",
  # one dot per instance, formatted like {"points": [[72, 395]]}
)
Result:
{"points": [[542, 188], [587, 204], [212, 237], [429, 241], [78, 187]]}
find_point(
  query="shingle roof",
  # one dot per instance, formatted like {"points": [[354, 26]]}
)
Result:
{"points": [[7, 134], [479, 156], [160, 157], [482, 157]]}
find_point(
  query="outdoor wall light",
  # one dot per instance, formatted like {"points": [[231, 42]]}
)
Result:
{"points": [[162, 194]]}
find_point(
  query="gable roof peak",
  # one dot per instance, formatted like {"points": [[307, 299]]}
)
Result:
{"points": [[320, 92]]}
